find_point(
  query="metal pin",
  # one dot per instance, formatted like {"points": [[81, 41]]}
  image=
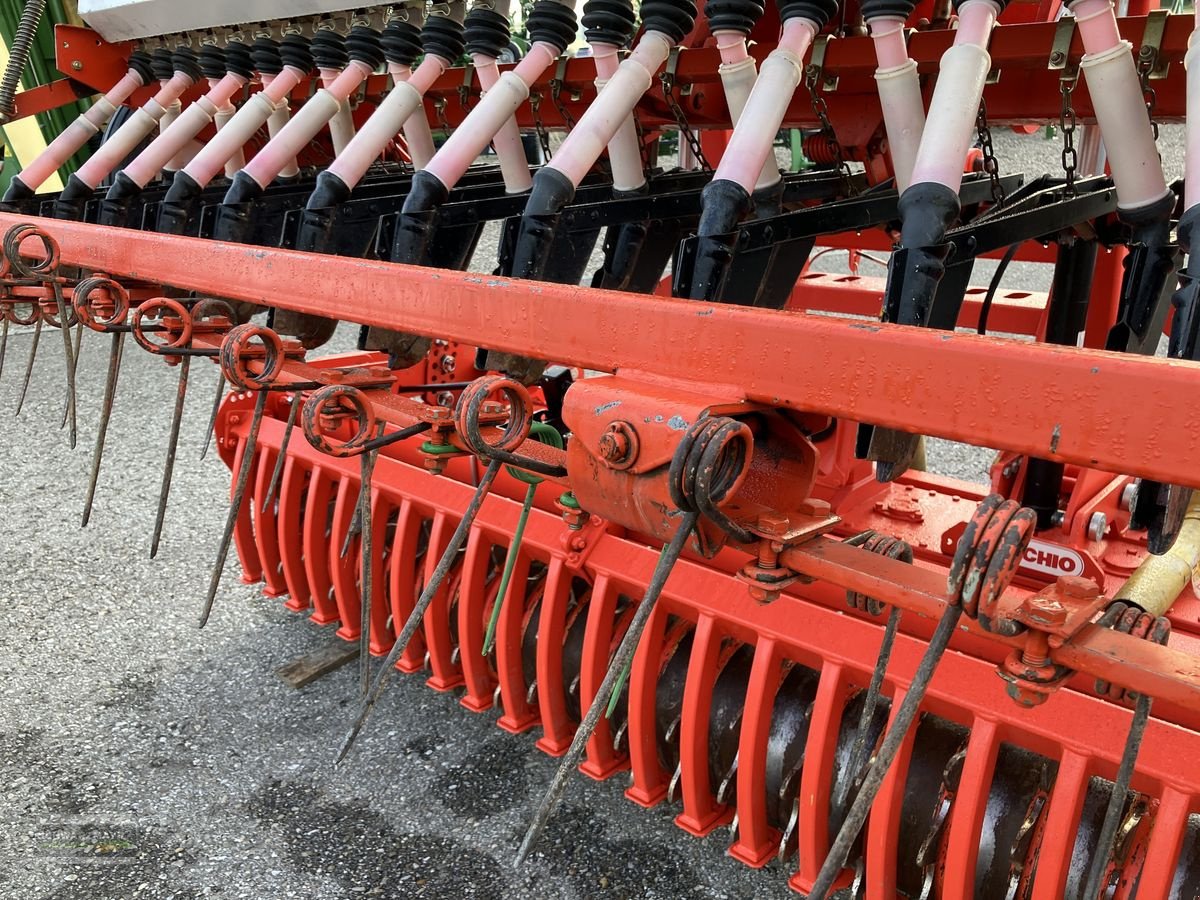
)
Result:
{"points": [[616, 669], [277, 472], [164, 490], [366, 462], [69, 360], [74, 367], [853, 823], [110, 393], [870, 704], [212, 419], [33, 348], [235, 504], [418, 613], [3, 342], [1118, 798]]}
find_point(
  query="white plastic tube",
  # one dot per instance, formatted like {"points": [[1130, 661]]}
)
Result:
{"points": [[280, 116], [954, 108], [235, 162], [488, 115], [1191, 170], [738, 73], [230, 140], [79, 132], [417, 133], [624, 153], [164, 124], [612, 106], [303, 127], [174, 140], [341, 126], [510, 152], [385, 123], [752, 142], [1120, 108], [899, 89], [133, 132]]}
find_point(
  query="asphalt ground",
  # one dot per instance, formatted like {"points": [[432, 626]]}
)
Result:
{"points": [[143, 758]]}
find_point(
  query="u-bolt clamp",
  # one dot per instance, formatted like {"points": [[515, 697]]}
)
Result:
{"points": [[252, 358], [178, 325]]}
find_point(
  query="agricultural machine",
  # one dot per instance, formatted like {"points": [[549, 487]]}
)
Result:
{"points": [[676, 521]]}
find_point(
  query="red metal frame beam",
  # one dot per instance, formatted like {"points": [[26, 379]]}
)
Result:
{"points": [[1121, 413]]}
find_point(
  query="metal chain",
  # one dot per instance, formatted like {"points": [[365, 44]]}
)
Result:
{"points": [[556, 86], [821, 109], [464, 89], [535, 105], [1067, 122], [439, 106], [990, 165], [1147, 60], [685, 128]]}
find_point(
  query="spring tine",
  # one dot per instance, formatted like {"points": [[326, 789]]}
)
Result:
{"points": [[366, 468], [1116, 801], [418, 612], [33, 348], [74, 367], [164, 490], [616, 669], [873, 780], [510, 560], [3, 345], [212, 419], [355, 526], [235, 504], [69, 358], [110, 393], [868, 711], [277, 472]]}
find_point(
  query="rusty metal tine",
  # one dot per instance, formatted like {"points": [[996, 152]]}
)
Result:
{"points": [[212, 419], [277, 472], [74, 366], [853, 823], [69, 361], [418, 612], [616, 669], [33, 348], [3, 345], [870, 704], [110, 393], [366, 546], [1118, 798], [164, 491], [355, 526], [235, 505]]}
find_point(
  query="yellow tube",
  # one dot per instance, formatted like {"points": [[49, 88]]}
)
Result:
{"points": [[1159, 580]]}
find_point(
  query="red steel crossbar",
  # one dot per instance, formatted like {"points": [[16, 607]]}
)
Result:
{"points": [[1119, 412]]}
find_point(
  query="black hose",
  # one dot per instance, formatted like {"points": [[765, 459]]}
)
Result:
{"points": [[18, 56], [985, 308]]}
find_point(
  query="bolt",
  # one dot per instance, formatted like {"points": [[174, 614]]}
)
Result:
{"points": [[492, 408], [444, 398], [1078, 588], [1097, 525], [614, 446], [448, 363], [76, 65], [1058, 518], [1128, 496], [579, 543], [1048, 611], [773, 524], [1057, 57], [812, 507]]}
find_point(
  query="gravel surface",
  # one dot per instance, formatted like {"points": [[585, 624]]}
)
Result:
{"points": [[141, 758]]}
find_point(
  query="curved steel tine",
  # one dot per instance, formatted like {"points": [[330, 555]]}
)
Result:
{"points": [[164, 491], [212, 419], [110, 393], [69, 360], [366, 587], [3, 341], [74, 366], [33, 349], [277, 472], [418, 612], [610, 687], [235, 505]]}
